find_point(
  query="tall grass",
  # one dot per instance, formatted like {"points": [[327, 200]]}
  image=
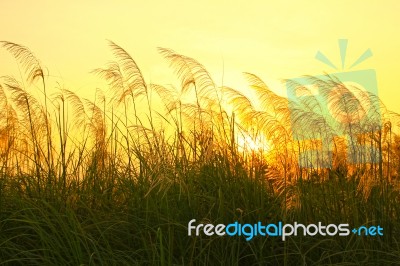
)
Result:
{"points": [[116, 180]]}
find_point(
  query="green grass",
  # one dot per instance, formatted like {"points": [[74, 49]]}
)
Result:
{"points": [[105, 183], [141, 223]]}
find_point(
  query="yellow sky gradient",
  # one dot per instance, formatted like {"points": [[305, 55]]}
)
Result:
{"points": [[272, 39]]}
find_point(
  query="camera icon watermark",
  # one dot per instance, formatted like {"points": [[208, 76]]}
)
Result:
{"points": [[342, 104]]}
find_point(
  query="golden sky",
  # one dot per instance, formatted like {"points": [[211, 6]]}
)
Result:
{"points": [[272, 39]]}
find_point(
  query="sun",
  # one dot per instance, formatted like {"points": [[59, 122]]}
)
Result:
{"points": [[248, 143]]}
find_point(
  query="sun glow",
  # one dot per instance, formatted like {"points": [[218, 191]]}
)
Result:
{"points": [[258, 143]]}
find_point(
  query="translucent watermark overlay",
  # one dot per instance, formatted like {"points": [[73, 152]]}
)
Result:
{"points": [[280, 229], [342, 104]]}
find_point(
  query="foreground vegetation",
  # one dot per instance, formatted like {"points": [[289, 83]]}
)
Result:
{"points": [[116, 180]]}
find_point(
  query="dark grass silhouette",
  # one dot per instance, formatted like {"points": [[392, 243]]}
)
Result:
{"points": [[116, 180]]}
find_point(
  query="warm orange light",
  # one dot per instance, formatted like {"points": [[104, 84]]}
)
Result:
{"points": [[248, 143]]}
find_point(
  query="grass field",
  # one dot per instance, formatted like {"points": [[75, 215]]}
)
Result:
{"points": [[116, 180]]}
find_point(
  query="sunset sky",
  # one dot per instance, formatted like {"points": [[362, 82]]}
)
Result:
{"points": [[275, 40]]}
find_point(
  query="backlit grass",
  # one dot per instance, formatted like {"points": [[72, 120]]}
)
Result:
{"points": [[115, 181]]}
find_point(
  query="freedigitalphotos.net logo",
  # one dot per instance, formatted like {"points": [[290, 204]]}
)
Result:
{"points": [[249, 231], [343, 104]]}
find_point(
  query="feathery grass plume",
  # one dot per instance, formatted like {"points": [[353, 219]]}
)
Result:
{"points": [[28, 61], [192, 75], [134, 84], [210, 114], [8, 118], [29, 108], [31, 116], [96, 122], [112, 73], [16, 142], [358, 111], [270, 101], [80, 116], [172, 102], [310, 126], [190, 72], [273, 119], [34, 71], [8, 129], [131, 72], [170, 98], [120, 91], [126, 81], [242, 105], [184, 118]]}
